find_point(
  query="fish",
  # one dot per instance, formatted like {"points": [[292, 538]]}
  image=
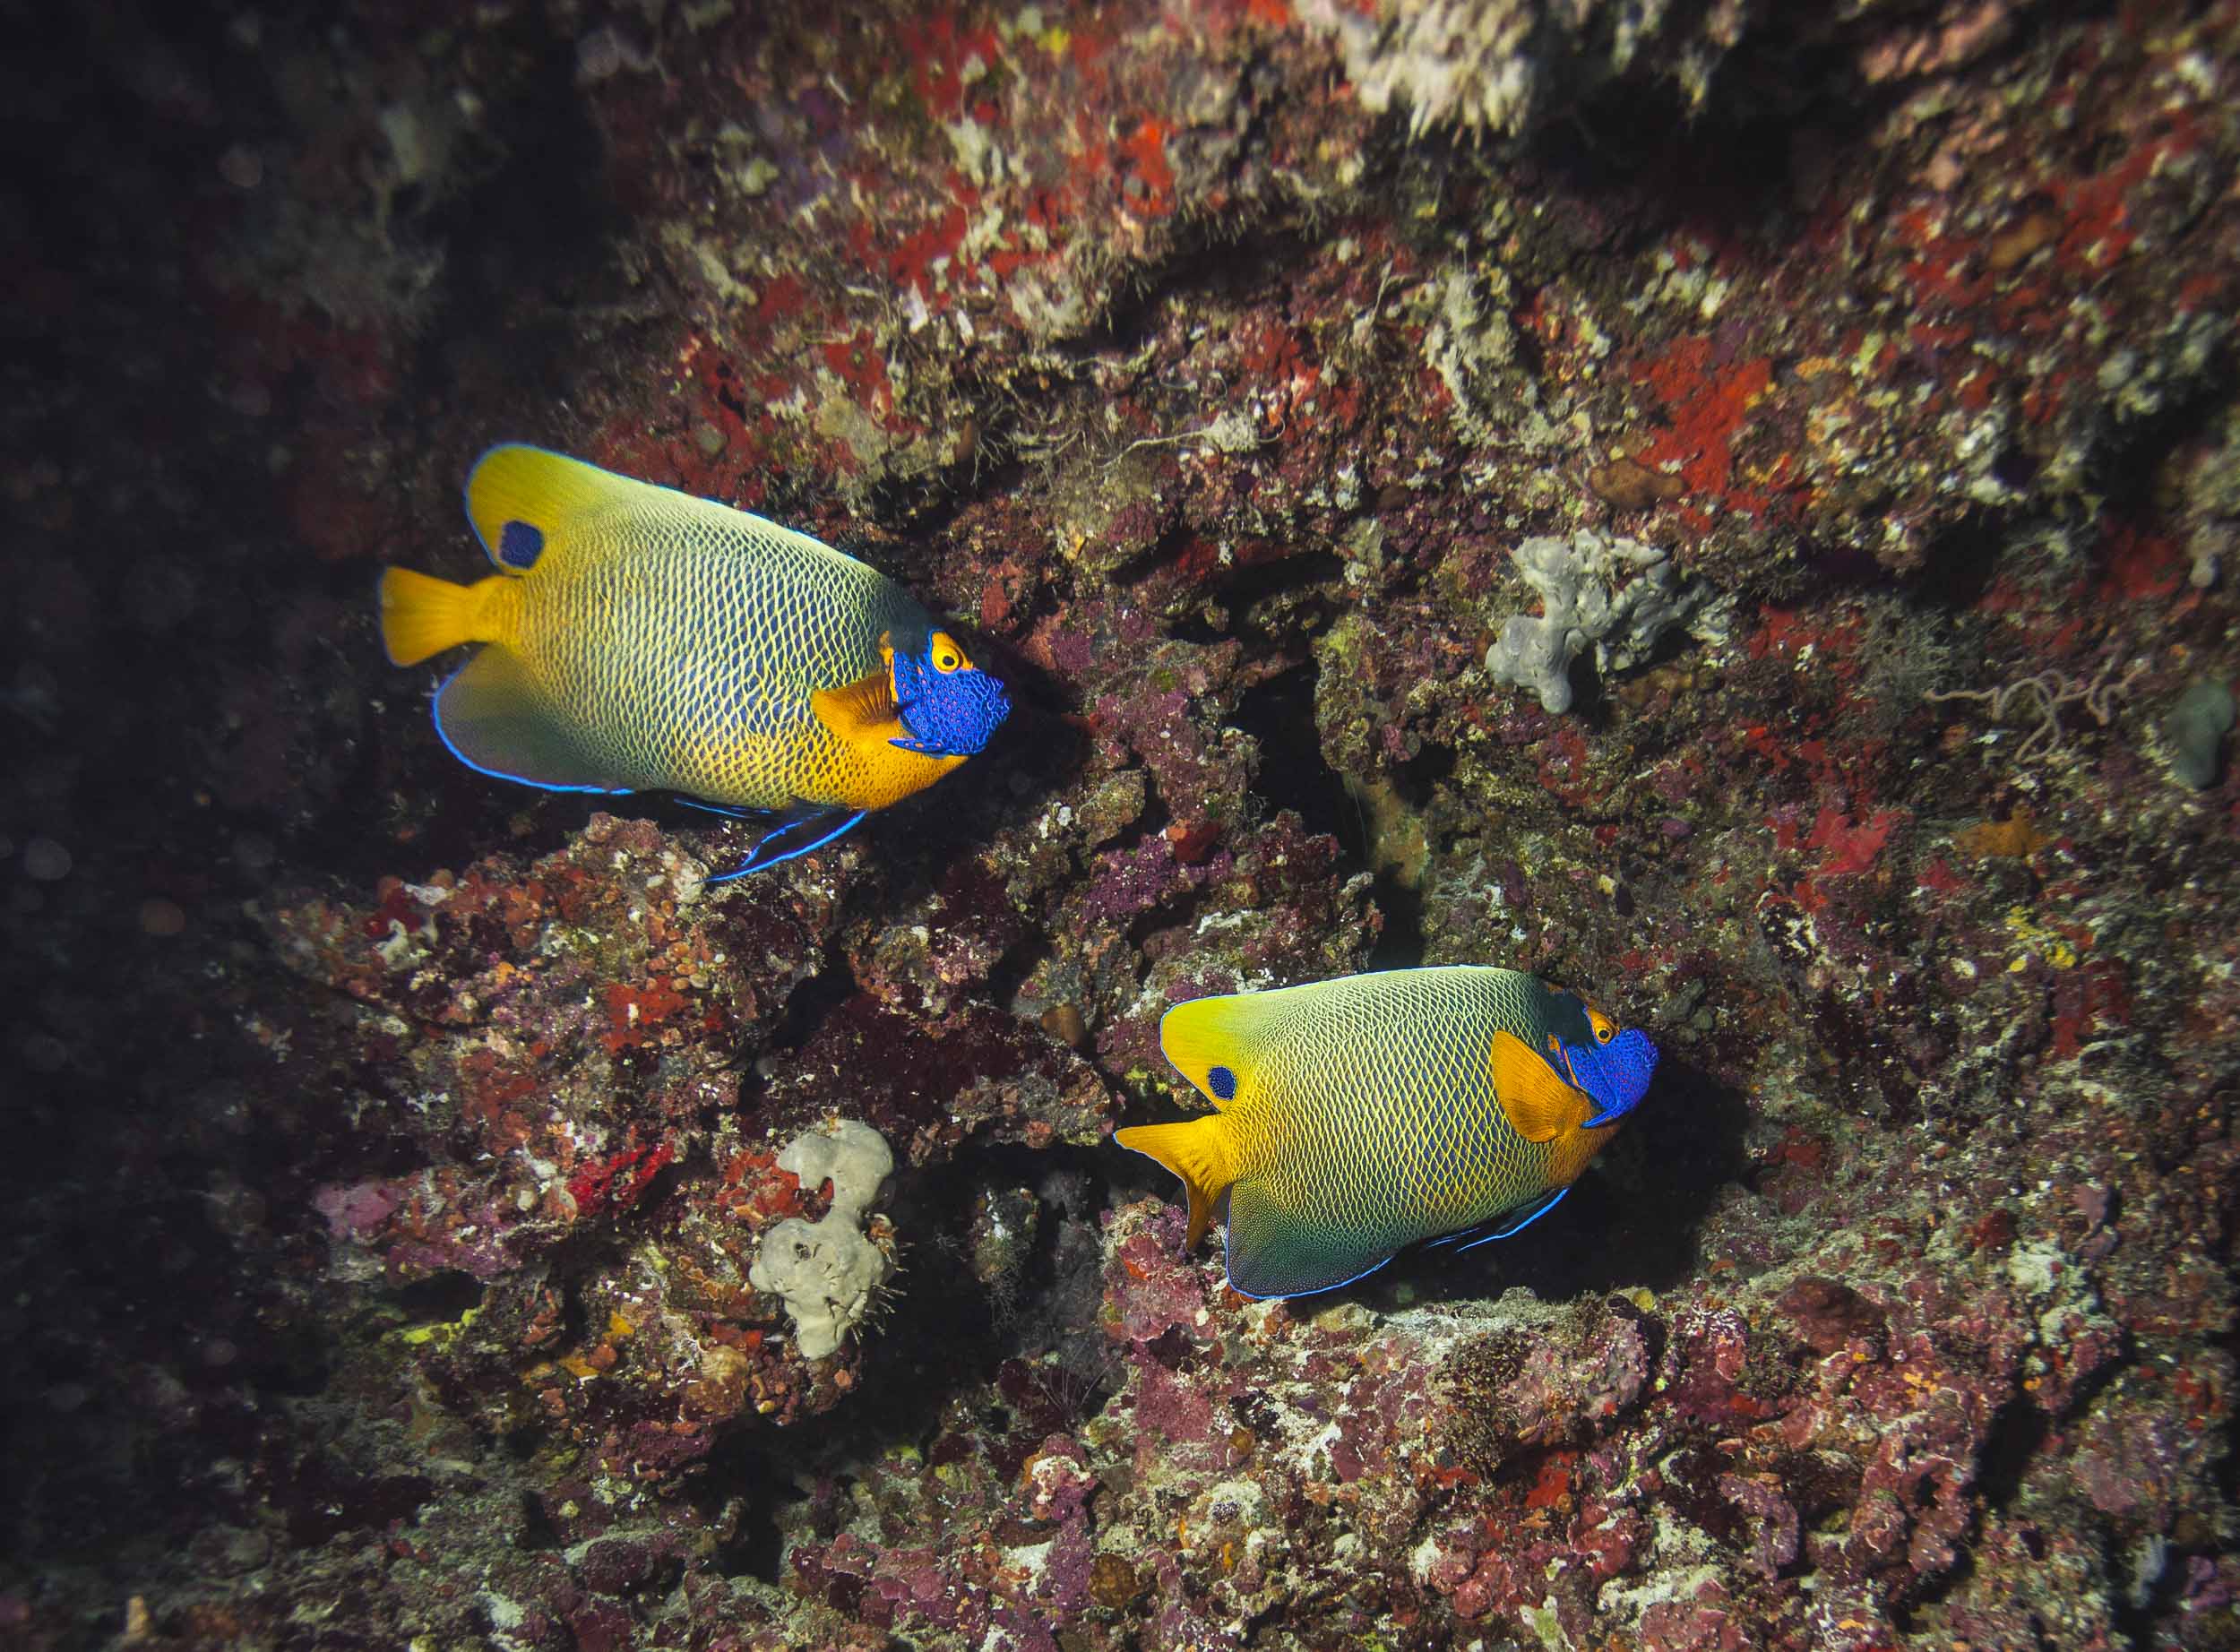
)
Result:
{"points": [[634, 638], [1358, 1116]]}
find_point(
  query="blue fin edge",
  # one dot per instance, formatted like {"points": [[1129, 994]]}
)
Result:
{"points": [[1520, 1225], [756, 860]]}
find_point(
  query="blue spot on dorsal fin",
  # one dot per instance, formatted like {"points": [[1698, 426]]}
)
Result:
{"points": [[1223, 1082], [520, 544]]}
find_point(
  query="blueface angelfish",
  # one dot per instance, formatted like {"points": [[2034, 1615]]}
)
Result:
{"points": [[637, 639], [1360, 1115]]}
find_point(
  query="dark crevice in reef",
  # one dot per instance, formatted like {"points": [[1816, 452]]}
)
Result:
{"points": [[1012, 970], [2139, 1598], [1294, 775], [2015, 1445], [2227, 1471], [1650, 161], [745, 1481], [1240, 592], [1230, 262], [810, 1002], [440, 1298], [1967, 560], [2127, 469]]}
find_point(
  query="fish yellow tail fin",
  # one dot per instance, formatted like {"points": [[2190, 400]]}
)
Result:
{"points": [[421, 615], [1198, 1151]]}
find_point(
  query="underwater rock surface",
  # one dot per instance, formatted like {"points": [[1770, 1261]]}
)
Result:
{"points": [[391, 1150]]}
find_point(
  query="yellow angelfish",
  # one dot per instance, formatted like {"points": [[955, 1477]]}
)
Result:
{"points": [[637, 639], [1360, 1115]]}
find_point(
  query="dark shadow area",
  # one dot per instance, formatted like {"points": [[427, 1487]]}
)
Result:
{"points": [[526, 245], [2016, 1444], [749, 1466], [1242, 589], [1629, 1220], [1965, 562], [1218, 265], [1636, 155]]}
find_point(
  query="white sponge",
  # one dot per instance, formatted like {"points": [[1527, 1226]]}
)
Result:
{"points": [[828, 1272]]}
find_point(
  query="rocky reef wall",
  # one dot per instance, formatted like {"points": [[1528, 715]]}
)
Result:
{"points": [[391, 1150]]}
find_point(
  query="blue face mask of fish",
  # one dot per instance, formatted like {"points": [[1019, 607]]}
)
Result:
{"points": [[950, 707], [1613, 1067]]}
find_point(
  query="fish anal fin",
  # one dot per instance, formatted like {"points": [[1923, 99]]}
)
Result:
{"points": [[496, 720], [1275, 1251], [858, 711], [1197, 1151], [528, 504], [1539, 1104], [1217, 1043]]}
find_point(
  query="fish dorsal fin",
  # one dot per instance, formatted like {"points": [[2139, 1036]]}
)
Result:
{"points": [[1217, 1043], [1540, 1106], [527, 502]]}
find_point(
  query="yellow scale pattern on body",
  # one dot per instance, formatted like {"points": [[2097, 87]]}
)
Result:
{"points": [[1364, 1130], [675, 677]]}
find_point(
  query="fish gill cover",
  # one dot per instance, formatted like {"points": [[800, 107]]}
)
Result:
{"points": [[392, 1151]]}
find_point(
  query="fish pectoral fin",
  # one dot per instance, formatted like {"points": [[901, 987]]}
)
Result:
{"points": [[498, 721], [1215, 1042], [1197, 1151], [799, 830], [530, 505], [1502, 1226], [1539, 1104], [1276, 1251], [860, 710]]}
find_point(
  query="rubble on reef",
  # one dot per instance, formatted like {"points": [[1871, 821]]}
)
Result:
{"points": [[1732, 508]]}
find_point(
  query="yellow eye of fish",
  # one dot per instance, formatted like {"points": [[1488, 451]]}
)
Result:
{"points": [[946, 656], [1604, 1030]]}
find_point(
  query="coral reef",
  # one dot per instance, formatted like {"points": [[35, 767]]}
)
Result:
{"points": [[1283, 396]]}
